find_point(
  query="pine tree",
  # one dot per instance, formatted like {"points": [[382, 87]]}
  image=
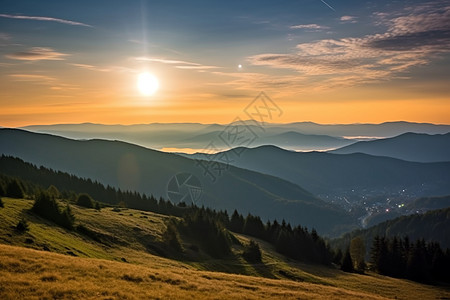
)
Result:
{"points": [[357, 252], [417, 265], [66, 218], [347, 263], [236, 222], [14, 190], [2, 190], [338, 256]]}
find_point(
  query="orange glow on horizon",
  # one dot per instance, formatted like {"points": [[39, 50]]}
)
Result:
{"points": [[179, 111]]}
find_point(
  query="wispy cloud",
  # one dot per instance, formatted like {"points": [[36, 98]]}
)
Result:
{"points": [[51, 82], [179, 64], [91, 67], [4, 36], [32, 77], [309, 26], [50, 19], [412, 38], [166, 61], [348, 19], [196, 67], [37, 53]]}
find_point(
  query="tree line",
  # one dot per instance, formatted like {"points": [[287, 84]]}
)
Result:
{"points": [[418, 261], [295, 242]]}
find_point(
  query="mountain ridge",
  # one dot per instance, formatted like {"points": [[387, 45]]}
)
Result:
{"points": [[410, 146], [135, 168]]}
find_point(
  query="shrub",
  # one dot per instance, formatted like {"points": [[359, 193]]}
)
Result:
{"points": [[53, 191], [252, 252], [14, 190], [66, 218], [85, 200], [45, 205], [22, 226]]}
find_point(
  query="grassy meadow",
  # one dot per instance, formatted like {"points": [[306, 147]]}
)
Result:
{"points": [[127, 262]]}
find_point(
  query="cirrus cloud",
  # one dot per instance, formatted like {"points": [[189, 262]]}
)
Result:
{"points": [[309, 26], [37, 18], [350, 19], [37, 53], [179, 64]]}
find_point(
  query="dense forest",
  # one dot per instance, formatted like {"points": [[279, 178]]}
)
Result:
{"points": [[419, 261]]}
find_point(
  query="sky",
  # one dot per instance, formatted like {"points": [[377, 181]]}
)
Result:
{"points": [[321, 61]]}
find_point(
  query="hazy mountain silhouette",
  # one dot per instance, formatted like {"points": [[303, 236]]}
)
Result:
{"points": [[344, 175], [297, 136], [387, 129], [288, 140], [304, 142], [131, 167], [408, 146]]}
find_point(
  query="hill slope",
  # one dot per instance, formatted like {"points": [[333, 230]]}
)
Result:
{"points": [[94, 273], [408, 146], [429, 203], [431, 226], [134, 168]]}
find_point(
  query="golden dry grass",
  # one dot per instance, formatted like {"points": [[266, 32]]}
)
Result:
{"points": [[31, 274]]}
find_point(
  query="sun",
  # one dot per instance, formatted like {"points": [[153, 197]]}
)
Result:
{"points": [[147, 84]]}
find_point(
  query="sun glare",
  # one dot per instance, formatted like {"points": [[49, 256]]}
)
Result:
{"points": [[148, 84]]}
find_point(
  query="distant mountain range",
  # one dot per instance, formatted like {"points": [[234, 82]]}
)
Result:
{"points": [[301, 136], [387, 129], [369, 168], [289, 140], [336, 176], [409, 146], [135, 168]]}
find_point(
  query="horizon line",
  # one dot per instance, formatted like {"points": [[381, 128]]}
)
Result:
{"points": [[225, 124]]}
